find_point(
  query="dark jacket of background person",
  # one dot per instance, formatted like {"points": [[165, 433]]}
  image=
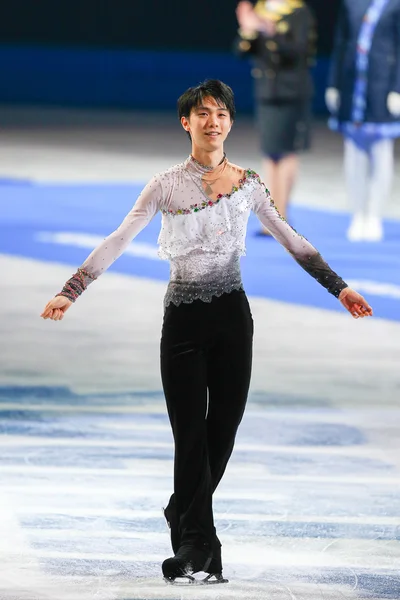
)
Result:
{"points": [[384, 60], [281, 63]]}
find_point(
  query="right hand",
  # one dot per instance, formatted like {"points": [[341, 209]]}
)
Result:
{"points": [[246, 16], [332, 100], [56, 308]]}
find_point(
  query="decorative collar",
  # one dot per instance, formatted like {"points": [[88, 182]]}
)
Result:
{"points": [[193, 165], [208, 203]]}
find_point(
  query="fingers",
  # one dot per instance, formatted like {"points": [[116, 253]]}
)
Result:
{"points": [[55, 314], [366, 308], [355, 310], [362, 308], [360, 311], [47, 314], [367, 311], [56, 308], [46, 310], [356, 305]]}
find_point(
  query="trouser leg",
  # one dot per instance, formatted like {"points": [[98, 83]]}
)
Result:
{"points": [[357, 170], [382, 170], [228, 377], [184, 377], [229, 372]]}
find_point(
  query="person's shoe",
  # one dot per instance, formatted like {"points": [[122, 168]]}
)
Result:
{"points": [[189, 559], [216, 562], [373, 229], [355, 232]]}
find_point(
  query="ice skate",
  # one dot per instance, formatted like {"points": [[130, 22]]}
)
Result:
{"points": [[189, 560], [214, 569], [355, 232], [373, 229]]}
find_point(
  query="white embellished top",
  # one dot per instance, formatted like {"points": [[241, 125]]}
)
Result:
{"points": [[202, 236]]}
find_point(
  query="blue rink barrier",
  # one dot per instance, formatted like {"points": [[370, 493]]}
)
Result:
{"points": [[62, 223], [129, 79]]}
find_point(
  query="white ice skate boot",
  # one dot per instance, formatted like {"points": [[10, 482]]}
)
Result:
{"points": [[373, 229], [355, 232]]}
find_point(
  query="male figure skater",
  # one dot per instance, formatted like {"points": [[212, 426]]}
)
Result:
{"points": [[206, 343]]}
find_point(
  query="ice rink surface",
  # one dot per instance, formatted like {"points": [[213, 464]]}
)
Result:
{"points": [[309, 508]]}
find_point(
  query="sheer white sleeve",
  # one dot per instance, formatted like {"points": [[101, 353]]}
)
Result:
{"points": [[302, 251], [147, 205]]}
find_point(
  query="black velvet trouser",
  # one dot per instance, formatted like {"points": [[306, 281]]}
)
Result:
{"points": [[206, 357]]}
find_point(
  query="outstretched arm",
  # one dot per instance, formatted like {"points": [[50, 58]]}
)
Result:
{"points": [[305, 254], [146, 206]]}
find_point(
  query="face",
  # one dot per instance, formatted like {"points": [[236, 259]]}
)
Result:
{"points": [[208, 124]]}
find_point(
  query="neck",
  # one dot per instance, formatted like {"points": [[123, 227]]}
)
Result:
{"points": [[206, 158]]}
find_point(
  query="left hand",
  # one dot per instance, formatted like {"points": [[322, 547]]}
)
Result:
{"points": [[393, 104], [355, 303]]}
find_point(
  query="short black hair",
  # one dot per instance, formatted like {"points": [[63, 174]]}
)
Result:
{"points": [[193, 97]]}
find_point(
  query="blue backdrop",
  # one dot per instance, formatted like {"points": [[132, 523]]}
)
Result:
{"points": [[128, 79]]}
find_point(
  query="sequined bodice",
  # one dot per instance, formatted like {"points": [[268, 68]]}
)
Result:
{"points": [[203, 237], [193, 222]]}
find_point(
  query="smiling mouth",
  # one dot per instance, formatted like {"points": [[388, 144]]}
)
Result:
{"points": [[213, 134]]}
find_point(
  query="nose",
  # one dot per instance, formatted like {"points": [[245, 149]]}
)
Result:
{"points": [[212, 120]]}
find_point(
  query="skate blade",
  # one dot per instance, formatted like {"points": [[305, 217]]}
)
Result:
{"points": [[188, 580]]}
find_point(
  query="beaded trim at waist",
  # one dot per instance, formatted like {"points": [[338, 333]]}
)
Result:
{"points": [[184, 293]]}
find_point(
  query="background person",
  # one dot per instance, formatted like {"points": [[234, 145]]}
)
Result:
{"points": [[364, 99], [279, 36]]}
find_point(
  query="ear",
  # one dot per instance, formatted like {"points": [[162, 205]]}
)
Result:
{"points": [[185, 123]]}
